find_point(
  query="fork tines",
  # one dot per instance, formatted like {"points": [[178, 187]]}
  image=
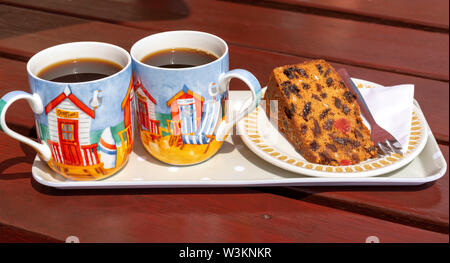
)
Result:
{"points": [[384, 141]]}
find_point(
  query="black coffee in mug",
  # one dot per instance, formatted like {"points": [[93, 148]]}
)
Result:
{"points": [[79, 70], [179, 58]]}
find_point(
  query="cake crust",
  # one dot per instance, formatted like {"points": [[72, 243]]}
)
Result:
{"points": [[318, 115]]}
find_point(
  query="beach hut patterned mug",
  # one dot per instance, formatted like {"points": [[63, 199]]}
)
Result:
{"points": [[84, 128], [182, 111]]}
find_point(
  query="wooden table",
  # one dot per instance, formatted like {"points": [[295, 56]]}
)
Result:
{"points": [[389, 42]]}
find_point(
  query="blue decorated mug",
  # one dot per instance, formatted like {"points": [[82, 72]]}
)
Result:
{"points": [[84, 128], [182, 111]]}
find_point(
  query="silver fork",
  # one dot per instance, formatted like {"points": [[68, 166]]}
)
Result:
{"points": [[385, 142]]}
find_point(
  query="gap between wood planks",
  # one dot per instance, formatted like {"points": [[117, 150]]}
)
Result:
{"points": [[339, 14], [306, 55], [442, 142], [13, 234], [14, 56]]}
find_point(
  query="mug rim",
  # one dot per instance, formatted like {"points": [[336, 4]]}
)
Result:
{"points": [[133, 50], [40, 53]]}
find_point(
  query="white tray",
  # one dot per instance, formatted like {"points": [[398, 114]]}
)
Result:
{"points": [[236, 166]]}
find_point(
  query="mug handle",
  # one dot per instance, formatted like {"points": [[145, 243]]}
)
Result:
{"points": [[250, 105], [36, 105]]}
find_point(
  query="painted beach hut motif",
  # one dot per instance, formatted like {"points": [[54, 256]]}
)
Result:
{"points": [[146, 111], [212, 112], [126, 135], [69, 129], [83, 144], [186, 110], [188, 123], [107, 149]]}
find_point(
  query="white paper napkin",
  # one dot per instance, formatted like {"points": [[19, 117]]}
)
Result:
{"points": [[391, 108]]}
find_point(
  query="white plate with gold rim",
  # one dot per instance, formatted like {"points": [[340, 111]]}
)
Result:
{"points": [[268, 143]]}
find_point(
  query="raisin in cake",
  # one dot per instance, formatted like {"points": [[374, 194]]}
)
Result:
{"points": [[318, 115]]}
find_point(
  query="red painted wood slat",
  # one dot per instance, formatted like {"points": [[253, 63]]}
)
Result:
{"points": [[370, 45], [425, 206], [416, 12]]}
